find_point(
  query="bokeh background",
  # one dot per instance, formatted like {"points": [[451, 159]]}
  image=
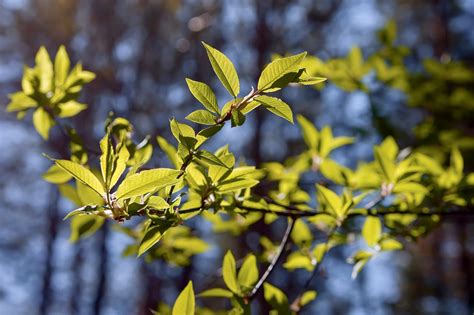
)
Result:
{"points": [[141, 51]]}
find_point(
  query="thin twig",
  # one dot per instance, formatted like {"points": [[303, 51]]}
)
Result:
{"points": [[276, 258]]}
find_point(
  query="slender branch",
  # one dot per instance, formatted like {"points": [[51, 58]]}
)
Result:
{"points": [[301, 213], [276, 258]]}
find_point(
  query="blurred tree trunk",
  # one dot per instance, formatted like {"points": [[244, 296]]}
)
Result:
{"points": [[102, 271], [52, 211]]}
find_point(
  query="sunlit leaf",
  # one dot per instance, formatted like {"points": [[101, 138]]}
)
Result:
{"points": [[229, 272], [146, 181], [372, 230], [204, 94], [224, 70], [276, 106], [42, 122], [248, 273], [82, 174], [278, 68], [185, 303]]}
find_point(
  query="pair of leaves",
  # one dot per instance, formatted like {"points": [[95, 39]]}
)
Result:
{"points": [[238, 284]]}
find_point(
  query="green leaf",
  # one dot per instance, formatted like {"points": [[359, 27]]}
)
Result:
{"points": [[82, 174], [185, 303], [44, 70], [237, 118], [20, 101], [146, 181], [386, 164], [210, 158], [70, 193], [276, 298], [202, 116], [325, 141], [372, 230], [204, 94], [330, 199], [457, 161], [236, 184], [307, 297], [409, 187], [389, 244], [70, 109], [153, 235], [229, 272], [298, 261], [183, 133], [84, 225], [216, 292], [390, 148], [106, 159], [224, 70], [310, 133], [157, 202], [56, 175], [42, 122], [276, 106], [308, 80], [61, 66], [248, 273], [120, 164], [301, 234], [278, 68], [87, 195], [319, 251]]}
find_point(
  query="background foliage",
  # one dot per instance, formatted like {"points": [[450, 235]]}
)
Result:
{"points": [[380, 75]]}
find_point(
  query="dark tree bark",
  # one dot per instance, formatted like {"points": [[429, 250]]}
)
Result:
{"points": [[52, 215]]}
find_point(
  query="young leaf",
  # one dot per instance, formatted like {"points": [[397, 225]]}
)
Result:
{"points": [[229, 272], [310, 133], [276, 298], [278, 68], [216, 292], [202, 116], [152, 236], [84, 225], [42, 122], [248, 273], [146, 181], [307, 297], [204, 94], [61, 66], [236, 184], [237, 118], [386, 164], [44, 70], [330, 199], [56, 175], [185, 303], [70, 109], [372, 230], [276, 106], [157, 202], [210, 158], [457, 161], [120, 164], [224, 70], [82, 174]]}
